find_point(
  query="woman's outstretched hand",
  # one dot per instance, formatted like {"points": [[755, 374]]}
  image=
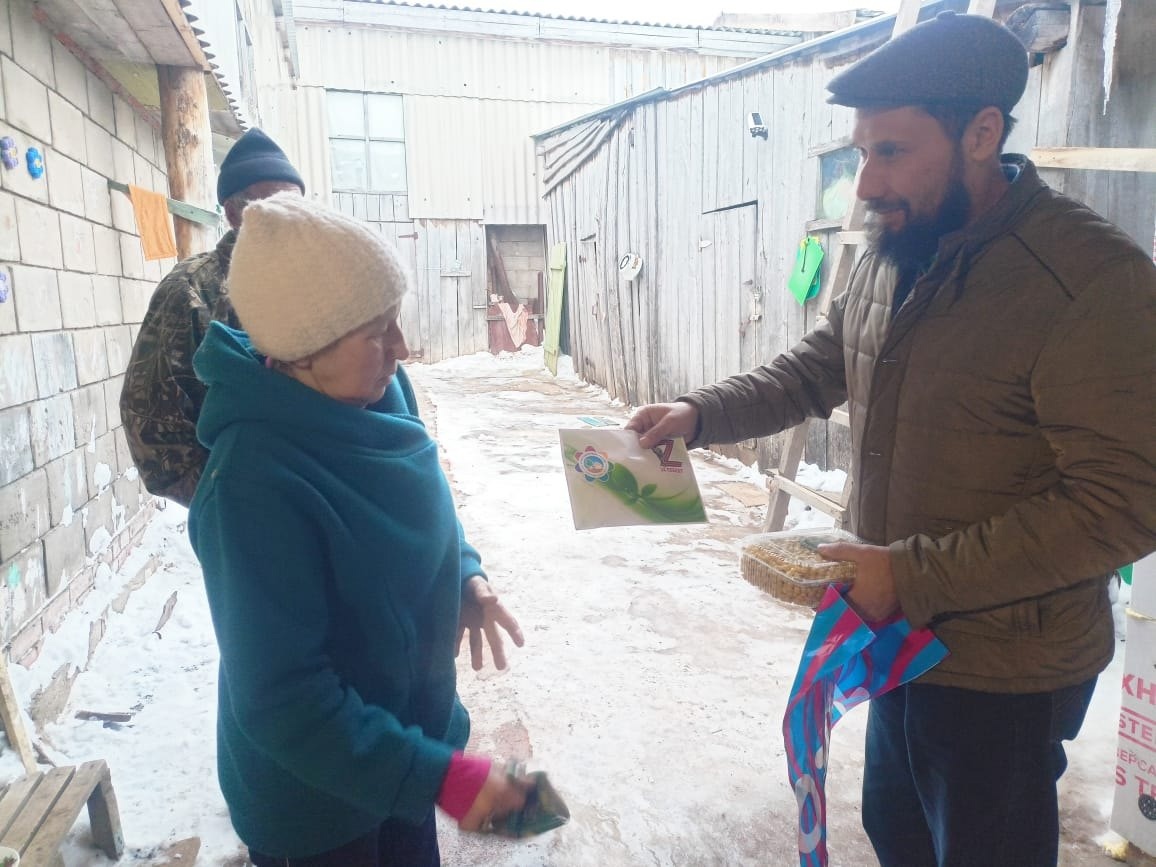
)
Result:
{"points": [[482, 615]]}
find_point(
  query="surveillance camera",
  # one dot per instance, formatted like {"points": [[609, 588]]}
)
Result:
{"points": [[755, 125]]}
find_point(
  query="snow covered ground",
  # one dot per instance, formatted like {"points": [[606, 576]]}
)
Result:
{"points": [[651, 687]]}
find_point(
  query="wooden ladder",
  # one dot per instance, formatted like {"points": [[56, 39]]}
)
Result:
{"points": [[847, 243], [38, 809], [37, 812]]}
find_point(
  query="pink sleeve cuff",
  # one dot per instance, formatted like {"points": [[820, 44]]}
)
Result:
{"points": [[464, 779]]}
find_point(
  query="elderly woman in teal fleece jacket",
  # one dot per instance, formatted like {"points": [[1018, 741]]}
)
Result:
{"points": [[336, 569]]}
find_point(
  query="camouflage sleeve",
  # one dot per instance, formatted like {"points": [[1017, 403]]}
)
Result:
{"points": [[162, 396]]}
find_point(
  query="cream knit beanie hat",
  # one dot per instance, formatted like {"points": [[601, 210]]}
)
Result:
{"points": [[303, 276]]}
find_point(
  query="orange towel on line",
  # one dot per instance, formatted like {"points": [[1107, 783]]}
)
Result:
{"points": [[152, 222]]}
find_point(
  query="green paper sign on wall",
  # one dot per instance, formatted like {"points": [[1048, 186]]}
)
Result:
{"points": [[804, 280]]}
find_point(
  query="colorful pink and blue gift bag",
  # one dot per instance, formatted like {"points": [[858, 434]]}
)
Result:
{"points": [[845, 662]]}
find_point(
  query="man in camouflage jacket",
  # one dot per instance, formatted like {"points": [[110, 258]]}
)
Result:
{"points": [[162, 397]]}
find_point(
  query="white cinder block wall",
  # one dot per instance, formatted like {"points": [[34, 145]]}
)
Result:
{"points": [[70, 499]]}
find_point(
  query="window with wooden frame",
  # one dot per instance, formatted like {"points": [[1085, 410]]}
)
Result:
{"points": [[366, 142], [837, 168]]}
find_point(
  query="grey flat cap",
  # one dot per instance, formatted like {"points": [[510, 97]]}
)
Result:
{"points": [[965, 60]]}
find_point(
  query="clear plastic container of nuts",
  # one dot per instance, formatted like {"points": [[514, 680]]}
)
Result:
{"points": [[788, 565]]}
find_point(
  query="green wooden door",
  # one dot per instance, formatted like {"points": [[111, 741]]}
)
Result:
{"points": [[555, 298]]}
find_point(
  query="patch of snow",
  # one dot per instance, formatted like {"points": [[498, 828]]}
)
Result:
{"points": [[101, 539], [102, 476]]}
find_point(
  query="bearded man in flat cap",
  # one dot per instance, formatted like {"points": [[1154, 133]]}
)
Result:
{"points": [[996, 350]]}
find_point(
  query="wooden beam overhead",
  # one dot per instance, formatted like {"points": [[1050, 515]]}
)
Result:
{"points": [[158, 23], [1097, 159], [123, 42], [185, 31], [153, 32], [97, 26]]}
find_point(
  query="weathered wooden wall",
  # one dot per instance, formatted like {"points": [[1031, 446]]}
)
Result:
{"points": [[1064, 107], [1127, 198], [444, 316], [716, 215]]}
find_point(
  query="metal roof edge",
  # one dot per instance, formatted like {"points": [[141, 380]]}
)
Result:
{"points": [[648, 96], [579, 19], [790, 53], [212, 68]]}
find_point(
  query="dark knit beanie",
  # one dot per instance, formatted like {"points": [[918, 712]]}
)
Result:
{"points": [[964, 60], [254, 158]]}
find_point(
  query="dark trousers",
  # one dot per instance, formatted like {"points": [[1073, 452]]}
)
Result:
{"points": [[393, 844], [959, 778]]}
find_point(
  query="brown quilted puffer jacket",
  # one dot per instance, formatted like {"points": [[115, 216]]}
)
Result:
{"points": [[1003, 428]]}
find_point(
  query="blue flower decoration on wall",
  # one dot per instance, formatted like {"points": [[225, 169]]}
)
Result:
{"points": [[9, 153], [35, 162]]}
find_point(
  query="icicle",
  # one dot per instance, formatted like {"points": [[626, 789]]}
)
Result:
{"points": [[1111, 20]]}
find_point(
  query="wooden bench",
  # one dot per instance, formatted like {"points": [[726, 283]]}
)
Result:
{"points": [[39, 809]]}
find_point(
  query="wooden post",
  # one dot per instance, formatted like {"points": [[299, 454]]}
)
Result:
{"points": [[11, 720], [188, 150], [1058, 95]]}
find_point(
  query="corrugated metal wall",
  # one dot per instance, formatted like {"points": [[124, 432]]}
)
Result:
{"points": [[474, 159], [299, 125], [471, 104], [441, 64], [443, 155]]}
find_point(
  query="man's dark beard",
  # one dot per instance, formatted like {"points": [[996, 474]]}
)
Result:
{"points": [[914, 246]]}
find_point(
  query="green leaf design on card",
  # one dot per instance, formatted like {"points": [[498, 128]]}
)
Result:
{"points": [[622, 481], [676, 508]]}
